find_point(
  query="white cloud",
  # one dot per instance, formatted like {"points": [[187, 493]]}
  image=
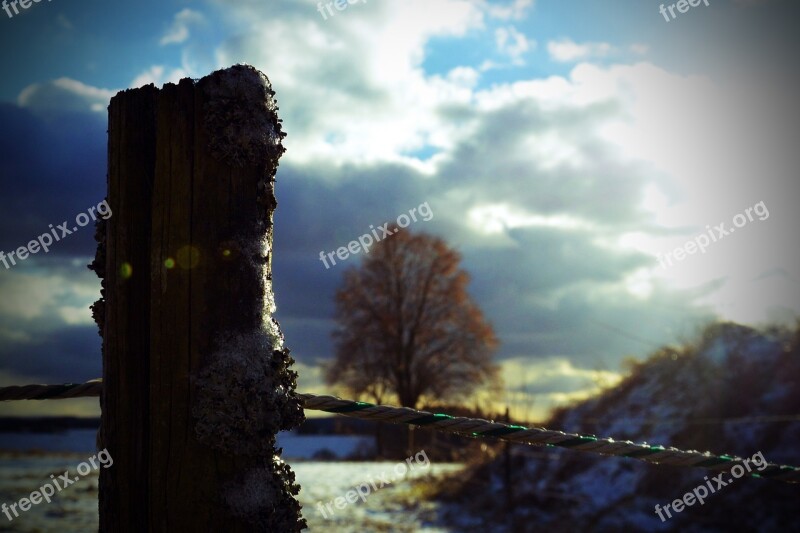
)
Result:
{"points": [[64, 94], [159, 75], [498, 218], [464, 77], [567, 50], [386, 107], [76, 315], [516, 9], [512, 43], [178, 32], [48, 301]]}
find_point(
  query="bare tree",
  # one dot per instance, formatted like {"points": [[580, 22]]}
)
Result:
{"points": [[407, 328]]}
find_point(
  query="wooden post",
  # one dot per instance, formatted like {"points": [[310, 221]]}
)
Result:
{"points": [[196, 378]]}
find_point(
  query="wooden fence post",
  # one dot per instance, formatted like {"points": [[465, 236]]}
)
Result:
{"points": [[196, 379]]}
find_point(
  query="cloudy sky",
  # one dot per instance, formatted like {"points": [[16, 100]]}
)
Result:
{"points": [[562, 146]]}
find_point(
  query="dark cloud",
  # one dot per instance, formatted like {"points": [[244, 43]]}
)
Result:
{"points": [[60, 356], [52, 170]]}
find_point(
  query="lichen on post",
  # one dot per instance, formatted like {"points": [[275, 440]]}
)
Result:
{"points": [[214, 385]]}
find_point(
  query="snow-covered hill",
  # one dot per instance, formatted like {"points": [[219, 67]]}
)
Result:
{"points": [[720, 394]]}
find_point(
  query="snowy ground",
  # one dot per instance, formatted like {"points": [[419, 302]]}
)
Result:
{"points": [[73, 509], [383, 510], [394, 507]]}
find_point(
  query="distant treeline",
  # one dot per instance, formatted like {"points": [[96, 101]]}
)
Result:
{"points": [[49, 424], [336, 425]]}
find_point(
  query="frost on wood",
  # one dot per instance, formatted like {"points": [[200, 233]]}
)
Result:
{"points": [[260, 494], [256, 252], [244, 389], [244, 398], [244, 394], [240, 113]]}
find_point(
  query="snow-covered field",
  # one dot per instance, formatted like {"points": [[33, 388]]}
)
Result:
{"points": [[383, 509], [391, 508]]}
